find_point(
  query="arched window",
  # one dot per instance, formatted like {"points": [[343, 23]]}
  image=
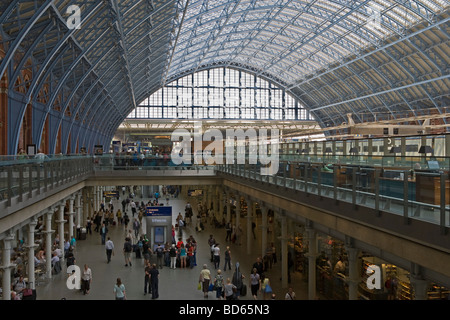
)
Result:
{"points": [[221, 93]]}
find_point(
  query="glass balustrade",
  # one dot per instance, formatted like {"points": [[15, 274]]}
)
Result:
{"points": [[415, 187]]}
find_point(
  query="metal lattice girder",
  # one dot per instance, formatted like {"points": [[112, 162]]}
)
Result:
{"points": [[335, 56]]}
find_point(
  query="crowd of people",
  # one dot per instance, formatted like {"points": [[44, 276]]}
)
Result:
{"points": [[179, 253]]}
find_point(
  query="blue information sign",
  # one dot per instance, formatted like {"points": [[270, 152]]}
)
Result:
{"points": [[156, 211]]}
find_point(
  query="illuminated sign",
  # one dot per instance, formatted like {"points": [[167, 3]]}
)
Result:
{"points": [[156, 211]]}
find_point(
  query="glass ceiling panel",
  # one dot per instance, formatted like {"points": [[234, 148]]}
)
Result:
{"points": [[287, 36]]}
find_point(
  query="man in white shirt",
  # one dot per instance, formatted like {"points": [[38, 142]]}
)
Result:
{"points": [[133, 207], [216, 250], [86, 279], [109, 246]]}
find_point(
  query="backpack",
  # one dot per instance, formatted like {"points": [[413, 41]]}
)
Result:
{"points": [[127, 247], [159, 252]]}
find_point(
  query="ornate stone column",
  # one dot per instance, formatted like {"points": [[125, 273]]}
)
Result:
{"points": [[419, 284], [284, 250], [78, 210], [60, 223], [353, 273], [312, 255], [31, 246], [71, 201], [250, 213], [264, 210], [8, 244], [48, 242]]}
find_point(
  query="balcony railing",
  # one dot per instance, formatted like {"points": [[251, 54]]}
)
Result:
{"points": [[393, 184], [412, 194]]}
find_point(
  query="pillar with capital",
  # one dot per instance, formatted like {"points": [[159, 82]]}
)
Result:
{"points": [[48, 242], [284, 250], [7, 265], [250, 214], [264, 210], [60, 223], [312, 255], [31, 247], [418, 282], [70, 213], [353, 272], [78, 210]]}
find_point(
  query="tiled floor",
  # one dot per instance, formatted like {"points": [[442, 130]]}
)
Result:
{"points": [[178, 284]]}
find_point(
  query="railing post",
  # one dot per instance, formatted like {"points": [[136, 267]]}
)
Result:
{"points": [[30, 180], [377, 191], [9, 184], [442, 203], [38, 178], [319, 182], [20, 183], [52, 174], [335, 191], [305, 178], [45, 164], [353, 186], [405, 197], [295, 164]]}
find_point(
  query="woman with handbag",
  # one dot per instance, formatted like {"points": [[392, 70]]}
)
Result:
{"points": [[205, 278], [265, 286], [218, 284]]}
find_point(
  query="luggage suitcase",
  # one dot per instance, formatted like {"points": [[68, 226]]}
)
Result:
{"points": [[244, 290]]}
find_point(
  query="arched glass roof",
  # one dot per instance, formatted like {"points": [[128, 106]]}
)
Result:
{"points": [[376, 59]]}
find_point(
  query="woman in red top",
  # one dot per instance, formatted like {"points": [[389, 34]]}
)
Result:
{"points": [[179, 243]]}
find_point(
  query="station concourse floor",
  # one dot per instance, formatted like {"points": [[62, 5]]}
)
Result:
{"points": [[174, 284]]}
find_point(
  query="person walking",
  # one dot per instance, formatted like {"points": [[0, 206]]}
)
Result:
{"points": [[154, 281], [237, 280], [218, 284], [109, 246], [227, 259], [119, 217], [211, 242], [216, 256], [89, 226], [255, 283], [160, 255], [290, 295], [127, 248], [229, 290], [228, 228], [136, 227], [103, 232], [265, 286], [183, 255], [119, 290], [86, 279], [147, 285], [204, 279], [173, 257]]}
